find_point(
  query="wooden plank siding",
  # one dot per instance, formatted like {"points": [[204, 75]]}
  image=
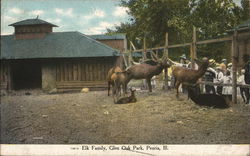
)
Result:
{"points": [[116, 44], [75, 74], [5, 76]]}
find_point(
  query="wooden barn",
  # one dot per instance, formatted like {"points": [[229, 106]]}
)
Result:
{"points": [[117, 41], [243, 41], [36, 57]]}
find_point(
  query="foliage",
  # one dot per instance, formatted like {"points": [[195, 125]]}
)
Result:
{"points": [[153, 18]]}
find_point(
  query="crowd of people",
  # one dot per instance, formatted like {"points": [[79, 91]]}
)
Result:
{"points": [[221, 73]]}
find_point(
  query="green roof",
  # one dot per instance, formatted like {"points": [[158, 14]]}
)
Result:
{"points": [[54, 45], [108, 37], [32, 22]]}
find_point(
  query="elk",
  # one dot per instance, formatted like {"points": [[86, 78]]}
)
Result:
{"points": [[147, 71], [210, 100], [129, 99], [110, 79], [184, 75], [119, 79]]}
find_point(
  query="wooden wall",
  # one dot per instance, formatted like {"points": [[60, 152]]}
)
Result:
{"points": [[116, 44], [5, 76], [75, 74], [244, 48]]}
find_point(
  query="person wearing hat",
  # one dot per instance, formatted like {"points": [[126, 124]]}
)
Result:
{"points": [[229, 68], [209, 76], [219, 79], [223, 65], [183, 58], [247, 74], [243, 90]]}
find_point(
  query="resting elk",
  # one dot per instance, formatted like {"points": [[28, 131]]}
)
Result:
{"points": [[184, 75], [129, 99], [210, 100], [147, 71]]}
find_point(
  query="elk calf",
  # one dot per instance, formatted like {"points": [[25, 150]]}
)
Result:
{"points": [[130, 99]]}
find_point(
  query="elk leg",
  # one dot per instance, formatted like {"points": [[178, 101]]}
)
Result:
{"points": [[242, 91], [108, 87], [113, 90], [177, 88], [149, 84], [124, 89]]}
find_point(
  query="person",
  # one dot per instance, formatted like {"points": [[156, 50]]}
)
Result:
{"points": [[153, 82], [183, 58], [243, 90], [209, 76], [229, 67], [247, 74], [219, 79], [223, 65], [227, 90], [189, 65]]}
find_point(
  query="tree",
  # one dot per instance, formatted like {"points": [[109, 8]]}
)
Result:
{"points": [[153, 18], [245, 9]]}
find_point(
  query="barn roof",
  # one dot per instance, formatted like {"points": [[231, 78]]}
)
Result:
{"points": [[32, 22], [54, 45], [109, 37]]}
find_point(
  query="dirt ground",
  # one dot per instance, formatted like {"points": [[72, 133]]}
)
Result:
{"points": [[93, 118]]}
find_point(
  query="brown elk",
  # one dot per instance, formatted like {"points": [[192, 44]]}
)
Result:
{"points": [[147, 71], [184, 75], [129, 99], [117, 79], [111, 76]]}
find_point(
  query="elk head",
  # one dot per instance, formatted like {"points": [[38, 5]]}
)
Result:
{"points": [[164, 61]]}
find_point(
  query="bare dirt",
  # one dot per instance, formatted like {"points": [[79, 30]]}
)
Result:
{"points": [[93, 118]]}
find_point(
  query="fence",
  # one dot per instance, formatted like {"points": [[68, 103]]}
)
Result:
{"points": [[193, 53]]}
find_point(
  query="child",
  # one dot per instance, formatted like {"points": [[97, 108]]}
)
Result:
{"points": [[227, 90], [243, 91], [219, 79]]}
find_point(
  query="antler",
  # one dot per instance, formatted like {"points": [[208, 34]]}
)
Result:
{"points": [[154, 56], [132, 60]]}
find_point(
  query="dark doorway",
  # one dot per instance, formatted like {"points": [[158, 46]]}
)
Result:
{"points": [[26, 74]]}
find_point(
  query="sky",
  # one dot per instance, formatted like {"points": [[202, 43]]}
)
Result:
{"points": [[86, 16]]}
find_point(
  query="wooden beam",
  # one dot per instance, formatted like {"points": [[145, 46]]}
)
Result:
{"points": [[179, 45], [144, 49], [166, 69], [215, 40], [234, 67]]}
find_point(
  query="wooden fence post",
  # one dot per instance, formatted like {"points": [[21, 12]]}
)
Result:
{"points": [[166, 69], [144, 49], [130, 60], [193, 53], [234, 67]]}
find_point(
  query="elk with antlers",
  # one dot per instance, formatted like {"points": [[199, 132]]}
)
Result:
{"points": [[184, 75], [147, 71]]}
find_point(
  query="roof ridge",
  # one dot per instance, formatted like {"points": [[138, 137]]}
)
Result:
{"points": [[22, 22], [97, 41]]}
